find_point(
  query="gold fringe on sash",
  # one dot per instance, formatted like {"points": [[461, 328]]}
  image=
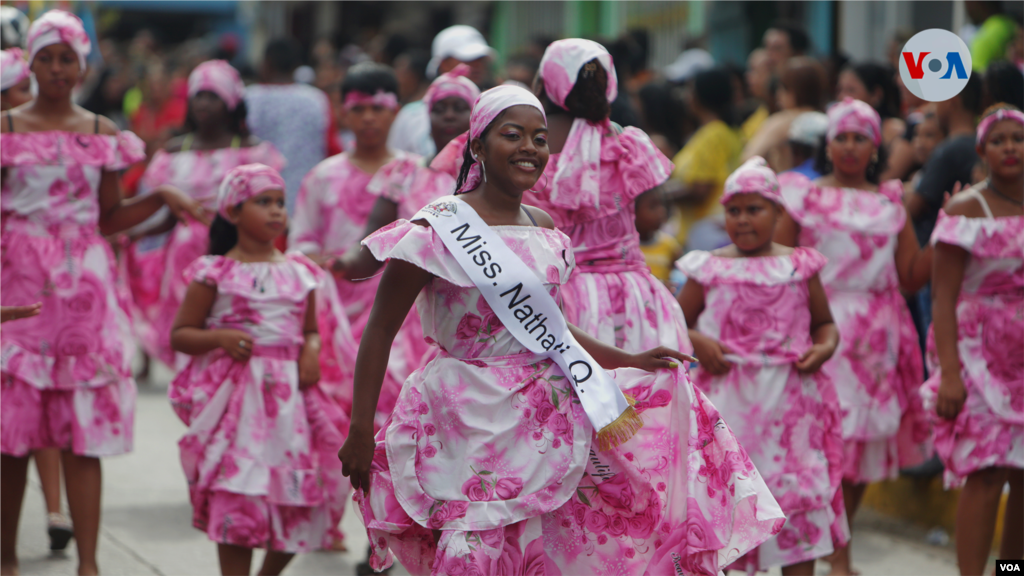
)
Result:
{"points": [[622, 429]]}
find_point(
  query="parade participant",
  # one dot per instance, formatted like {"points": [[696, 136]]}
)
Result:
{"points": [[66, 372], [259, 450], [975, 355], [494, 461], [762, 330], [590, 187], [194, 164], [863, 230]]}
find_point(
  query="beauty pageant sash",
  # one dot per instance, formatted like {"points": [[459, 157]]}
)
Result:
{"points": [[525, 308]]}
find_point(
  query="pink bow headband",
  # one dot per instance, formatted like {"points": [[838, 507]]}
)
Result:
{"points": [[999, 115], [854, 116], [383, 99], [219, 77], [245, 182], [13, 68], [452, 83], [490, 105], [753, 177], [59, 27]]}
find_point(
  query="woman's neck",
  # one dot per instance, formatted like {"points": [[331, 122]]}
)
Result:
{"points": [[766, 249], [248, 249], [370, 158], [214, 136], [844, 180], [1010, 187], [53, 107], [495, 206]]}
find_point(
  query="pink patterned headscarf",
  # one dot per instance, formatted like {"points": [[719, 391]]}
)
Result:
{"points": [[999, 115], [753, 177], [381, 98], [59, 27], [452, 83], [219, 77], [492, 103], [245, 182], [13, 68], [854, 116], [577, 181]]}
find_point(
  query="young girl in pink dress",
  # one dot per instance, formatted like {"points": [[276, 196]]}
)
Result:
{"points": [[863, 230], [489, 464], [762, 330], [977, 354], [194, 164], [65, 373], [259, 450], [590, 188]]}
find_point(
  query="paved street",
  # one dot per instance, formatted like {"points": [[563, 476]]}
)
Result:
{"points": [[147, 530]]}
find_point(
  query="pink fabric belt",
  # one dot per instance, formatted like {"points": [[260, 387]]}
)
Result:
{"points": [[611, 266]]}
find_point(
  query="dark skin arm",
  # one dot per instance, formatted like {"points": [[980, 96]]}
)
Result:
{"points": [[189, 334], [309, 358], [710, 352], [947, 278], [824, 334], [913, 263]]}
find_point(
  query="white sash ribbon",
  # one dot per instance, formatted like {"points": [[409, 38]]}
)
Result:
{"points": [[525, 308]]}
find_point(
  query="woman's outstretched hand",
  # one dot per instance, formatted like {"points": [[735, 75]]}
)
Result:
{"points": [[356, 456], [19, 312], [658, 358]]}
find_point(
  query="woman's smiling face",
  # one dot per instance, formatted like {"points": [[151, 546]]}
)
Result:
{"points": [[515, 148]]}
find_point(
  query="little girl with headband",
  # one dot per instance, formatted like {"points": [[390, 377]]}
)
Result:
{"points": [[259, 450], [873, 255], [976, 352], [490, 462], [762, 330], [65, 373]]}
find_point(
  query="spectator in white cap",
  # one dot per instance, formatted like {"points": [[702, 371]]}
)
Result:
{"points": [[805, 138], [452, 46]]}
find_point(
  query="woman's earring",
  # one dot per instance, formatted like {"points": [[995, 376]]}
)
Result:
{"points": [[483, 168], [874, 157]]}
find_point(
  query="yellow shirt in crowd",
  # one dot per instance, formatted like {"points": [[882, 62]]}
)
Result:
{"points": [[661, 254], [710, 155]]}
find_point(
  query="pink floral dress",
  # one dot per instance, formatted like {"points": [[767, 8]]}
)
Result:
{"points": [[65, 374], [260, 454], [789, 423], [613, 295], [877, 369], [333, 207], [154, 264], [989, 431], [489, 446]]}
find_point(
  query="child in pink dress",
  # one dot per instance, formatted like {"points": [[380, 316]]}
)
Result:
{"points": [[65, 373], [762, 330], [976, 354], [863, 230], [488, 464], [195, 164], [590, 188], [259, 453]]}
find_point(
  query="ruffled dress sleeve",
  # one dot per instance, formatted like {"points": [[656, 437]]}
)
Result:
{"points": [[395, 179], [982, 237], [449, 159], [208, 270], [417, 245], [58, 147], [642, 165], [892, 189], [807, 262], [696, 264], [267, 153], [128, 150]]}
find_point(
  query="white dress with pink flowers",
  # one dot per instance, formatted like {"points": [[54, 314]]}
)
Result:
{"points": [[66, 374], [877, 369], [789, 423], [613, 295], [153, 265], [989, 431], [489, 445], [259, 453]]}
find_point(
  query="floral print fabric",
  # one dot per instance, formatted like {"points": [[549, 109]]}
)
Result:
{"points": [[989, 431], [788, 422], [259, 454], [488, 445], [877, 368], [66, 373]]}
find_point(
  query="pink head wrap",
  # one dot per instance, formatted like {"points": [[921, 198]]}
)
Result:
{"points": [[989, 121], [492, 103], [577, 181], [13, 68], [753, 177], [245, 182], [381, 98], [219, 77], [453, 83], [59, 27], [854, 116]]}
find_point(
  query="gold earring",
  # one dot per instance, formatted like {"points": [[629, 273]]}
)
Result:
{"points": [[874, 157]]}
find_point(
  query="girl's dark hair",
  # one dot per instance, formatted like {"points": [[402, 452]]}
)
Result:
{"points": [[805, 78], [236, 120], [223, 236], [1004, 82], [713, 90], [369, 78], [587, 99], [875, 76], [824, 166]]}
